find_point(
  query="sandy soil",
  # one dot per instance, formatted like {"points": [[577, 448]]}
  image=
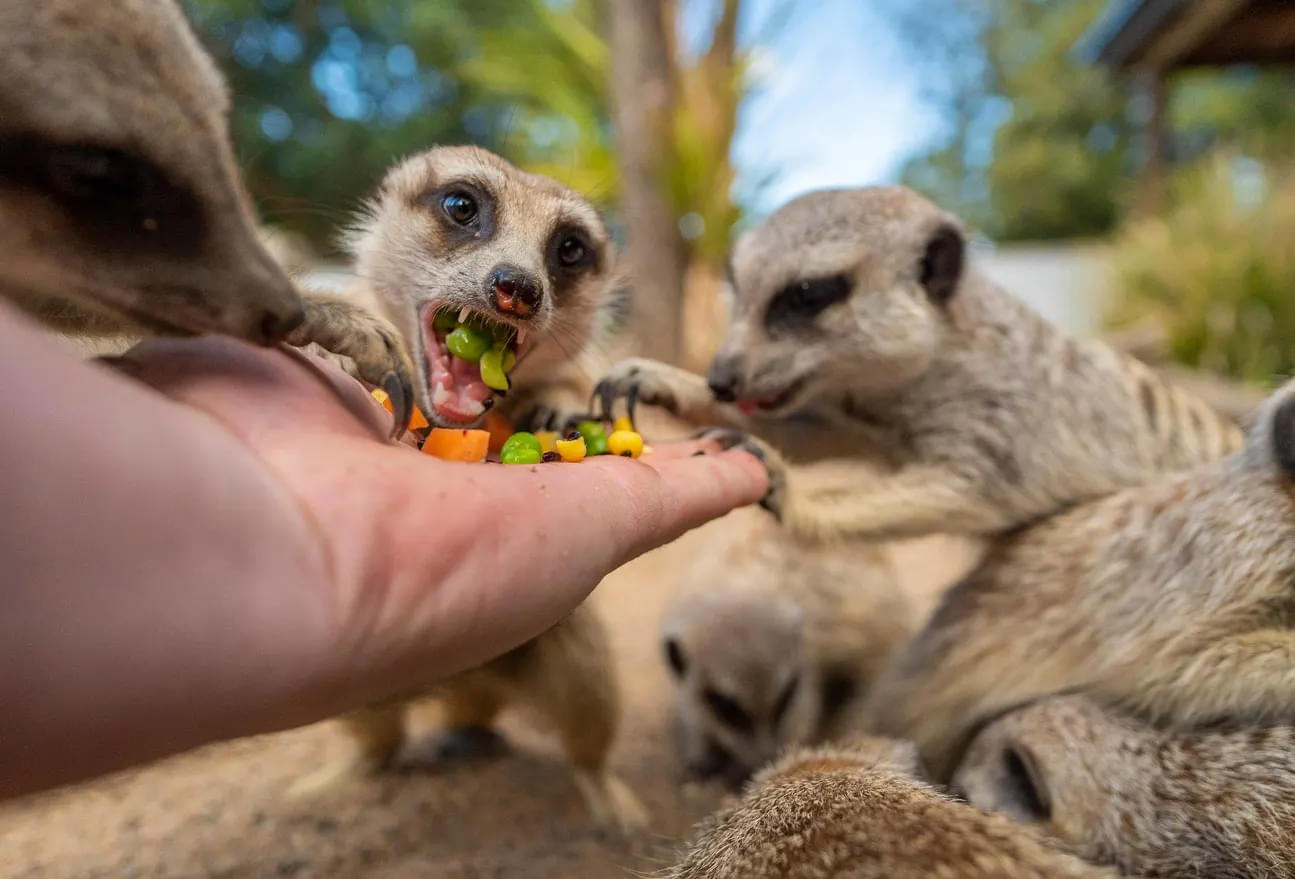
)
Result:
{"points": [[221, 811]]}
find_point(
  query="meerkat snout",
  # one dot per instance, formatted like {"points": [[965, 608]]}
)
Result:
{"points": [[724, 378], [514, 292]]}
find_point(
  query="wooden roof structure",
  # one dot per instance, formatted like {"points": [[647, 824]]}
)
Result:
{"points": [[1167, 35]]}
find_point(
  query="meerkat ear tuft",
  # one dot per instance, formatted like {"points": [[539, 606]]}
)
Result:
{"points": [[941, 266], [1284, 436]]}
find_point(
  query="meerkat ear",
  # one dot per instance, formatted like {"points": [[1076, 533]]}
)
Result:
{"points": [[941, 266], [674, 656], [1284, 436], [1023, 790]]}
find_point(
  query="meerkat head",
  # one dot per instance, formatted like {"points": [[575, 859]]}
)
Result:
{"points": [[118, 186], [837, 289], [456, 234], [1048, 764], [745, 686]]}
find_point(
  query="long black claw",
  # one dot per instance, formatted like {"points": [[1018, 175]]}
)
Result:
{"points": [[727, 439], [593, 399], [575, 418], [608, 399], [631, 397], [401, 394]]}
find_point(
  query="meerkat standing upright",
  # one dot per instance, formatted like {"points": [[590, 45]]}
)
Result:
{"points": [[458, 230], [121, 208], [1172, 600], [853, 810], [1116, 791], [861, 335], [769, 638]]}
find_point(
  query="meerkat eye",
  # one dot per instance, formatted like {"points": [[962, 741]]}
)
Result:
{"points": [[799, 303], [460, 207], [571, 252], [728, 711], [784, 698], [674, 656], [86, 173]]}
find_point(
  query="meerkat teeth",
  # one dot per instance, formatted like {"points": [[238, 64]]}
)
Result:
{"points": [[464, 314], [521, 337]]}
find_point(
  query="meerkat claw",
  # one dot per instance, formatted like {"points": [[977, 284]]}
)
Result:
{"points": [[631, 397], [401, 392]]}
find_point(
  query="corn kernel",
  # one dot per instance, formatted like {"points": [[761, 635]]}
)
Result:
{"points": [[623, 423], [625, 442], [548, 440], [572, 449]]}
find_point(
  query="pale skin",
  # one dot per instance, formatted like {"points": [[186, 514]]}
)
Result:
{"points": [[243, 552]]}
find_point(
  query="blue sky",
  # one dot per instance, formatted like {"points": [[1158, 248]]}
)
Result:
{"points": [[836, 104]]}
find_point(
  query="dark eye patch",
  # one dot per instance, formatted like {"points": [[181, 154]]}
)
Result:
{"points": [[117, 200], [464, 210], [571, 251], [728, 711], [784, 699], [796, 305]]}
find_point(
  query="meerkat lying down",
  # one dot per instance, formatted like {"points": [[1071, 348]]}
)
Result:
{"points": [[854, 810], [770, 637], [1172, 600], [1117, 791], [122, 211], [459, 229], [860, 334]]}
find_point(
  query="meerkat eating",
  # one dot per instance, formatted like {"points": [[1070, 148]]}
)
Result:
{"points": [[1172, 600], [862, 335], [122, 211], [768, 639], [1117, 791], [459, 231], [854, 810]]}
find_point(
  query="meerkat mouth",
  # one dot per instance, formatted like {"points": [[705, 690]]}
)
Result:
{"points": [[457, 388], [771, 402]]}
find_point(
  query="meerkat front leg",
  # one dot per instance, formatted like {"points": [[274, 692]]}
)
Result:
{"points": [[679, 392], [373, 346], [1247, 677], [375, 736]]}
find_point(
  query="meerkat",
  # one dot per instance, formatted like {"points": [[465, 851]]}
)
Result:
{"points": [[122, 211], [768, 639], [459, 228], [854, 810], [1116, 791], [1172, 600], [860, 333]]}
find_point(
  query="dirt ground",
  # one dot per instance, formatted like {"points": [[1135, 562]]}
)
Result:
{"points": [[221, 811]]}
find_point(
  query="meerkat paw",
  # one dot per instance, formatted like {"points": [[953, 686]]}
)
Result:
{"points": [[455, 745], [372, 345], [543, 416], [334, 775], [774, 464], [636, 380], [610, 801]]}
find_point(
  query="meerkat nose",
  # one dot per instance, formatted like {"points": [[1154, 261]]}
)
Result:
{"points": [[514, 291]]}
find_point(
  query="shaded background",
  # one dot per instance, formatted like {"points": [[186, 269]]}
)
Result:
{"points": [[1004, 111]]}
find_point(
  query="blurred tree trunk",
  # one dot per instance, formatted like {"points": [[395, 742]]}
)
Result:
{"points": [[643, 97]]}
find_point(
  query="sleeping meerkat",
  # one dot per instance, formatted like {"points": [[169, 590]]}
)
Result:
{"points": [[770, 637], [1172, 600], [860, 334], [1116, 791], [461, 229], [853, 810], [122, 211]]}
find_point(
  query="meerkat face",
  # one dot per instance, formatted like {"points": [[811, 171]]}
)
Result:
{"points": [[745, 687], [458, 231], [1047, 764], [839, 289], [118, 187]]}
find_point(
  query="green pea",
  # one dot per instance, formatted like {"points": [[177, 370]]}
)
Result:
{"points": [[521, 440], [493, 371], [467, 344], [445, 320], [520, 455], [592, 430], [596, 446]]}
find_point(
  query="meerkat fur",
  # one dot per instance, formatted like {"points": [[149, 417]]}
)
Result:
{"points": [[1117, 791], [1172, 600], [413, 259], [769, 637], [861, 332], [122, 210], [854, 810]]}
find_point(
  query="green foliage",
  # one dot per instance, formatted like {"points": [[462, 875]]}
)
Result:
{"points": [[1218, 270], [1041, 145]]}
